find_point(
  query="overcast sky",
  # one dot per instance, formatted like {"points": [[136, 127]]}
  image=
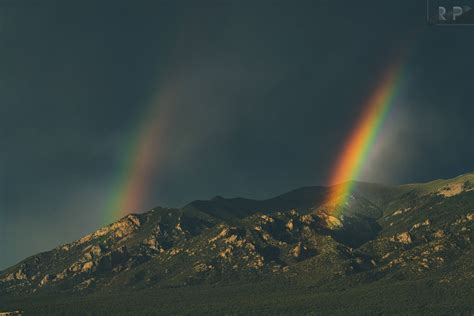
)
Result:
{"points": [[265, 95]]}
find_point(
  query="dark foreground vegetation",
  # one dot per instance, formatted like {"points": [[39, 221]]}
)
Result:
{"points": [[422, 297]]}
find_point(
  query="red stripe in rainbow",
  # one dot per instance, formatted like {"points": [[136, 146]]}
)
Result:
{"points": [[359, 143]]}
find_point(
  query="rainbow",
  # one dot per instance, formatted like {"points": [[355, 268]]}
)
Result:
{"points": [[140, 159], [357, 147]]}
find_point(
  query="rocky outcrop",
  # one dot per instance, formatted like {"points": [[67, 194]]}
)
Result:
{"points": [[118, 230], [301, 252], [451, 189], [402, 238]]}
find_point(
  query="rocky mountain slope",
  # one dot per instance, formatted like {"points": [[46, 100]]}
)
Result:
{"points": [[386, 234]]}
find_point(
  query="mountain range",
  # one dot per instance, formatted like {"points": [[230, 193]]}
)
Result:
{"points": [[393, 250]]}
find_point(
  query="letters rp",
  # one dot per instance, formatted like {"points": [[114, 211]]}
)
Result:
{"points": [[453, 15]]}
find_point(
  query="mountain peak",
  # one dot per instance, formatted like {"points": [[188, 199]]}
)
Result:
{"points": [[217, 198]]}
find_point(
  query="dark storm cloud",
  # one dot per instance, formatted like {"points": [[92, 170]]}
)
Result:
{"points": [[267, 93]]}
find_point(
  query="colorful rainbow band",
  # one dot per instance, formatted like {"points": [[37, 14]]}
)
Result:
{"points": [[361, 140]]}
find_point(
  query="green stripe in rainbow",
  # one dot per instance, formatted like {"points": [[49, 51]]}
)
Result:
{"points": [[358, 146]]}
